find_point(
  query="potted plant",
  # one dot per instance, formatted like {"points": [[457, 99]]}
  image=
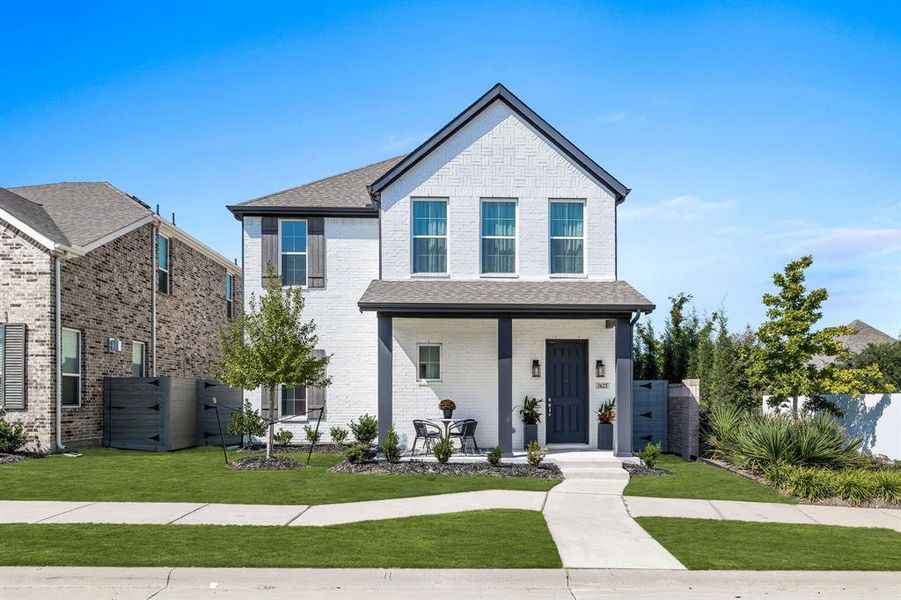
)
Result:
{"points": [[530, 415], [448, 407], [606, 414]]}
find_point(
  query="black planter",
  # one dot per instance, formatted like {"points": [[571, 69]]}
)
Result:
{"points": [[448, 413], [529, 433], [605, 436]]}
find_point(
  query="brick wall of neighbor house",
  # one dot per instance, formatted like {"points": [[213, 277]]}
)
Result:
{"points": [[497, 155], [191, 317], [26, 291]]}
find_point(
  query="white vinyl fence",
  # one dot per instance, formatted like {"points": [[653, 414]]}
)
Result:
{"points": [[875, 417]]}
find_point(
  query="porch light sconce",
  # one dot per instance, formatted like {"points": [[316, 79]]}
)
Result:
{"points": [[536, 368], [599, 369]]}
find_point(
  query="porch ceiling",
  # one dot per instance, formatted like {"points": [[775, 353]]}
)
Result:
{"points": [[521, 298]]}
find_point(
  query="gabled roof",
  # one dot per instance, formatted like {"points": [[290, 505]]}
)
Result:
{"points": [[84, 212], [502, 94], [32, 213], [856, 342], [343, 193]]}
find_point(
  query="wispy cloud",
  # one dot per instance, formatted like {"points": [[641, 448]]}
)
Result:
{"points": [[621, 117], [395, 143], [803, 237], [681, 208]]}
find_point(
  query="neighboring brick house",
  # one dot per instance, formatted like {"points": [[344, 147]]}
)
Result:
{"points": [[480, 267], [137, 296]]}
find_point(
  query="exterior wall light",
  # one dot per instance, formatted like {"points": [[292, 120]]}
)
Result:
{"points": [[599, 369], [536, 368]]}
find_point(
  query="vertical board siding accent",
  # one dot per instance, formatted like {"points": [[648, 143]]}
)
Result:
{"points": [[14, 367], [316, 252], [316, 395], [269, 239]]}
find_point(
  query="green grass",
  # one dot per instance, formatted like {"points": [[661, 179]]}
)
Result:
{"points": [[481, 539], [699, 480], [199, 475], [709, 544]]}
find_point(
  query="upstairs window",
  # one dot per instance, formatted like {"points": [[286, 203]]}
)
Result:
{"points": [[567, 238], [229, 295], [71, 368], [498, 236], [430, 236], [162, 264], [139, 359], [293, 244]]}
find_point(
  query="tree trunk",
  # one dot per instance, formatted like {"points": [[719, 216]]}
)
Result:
{"points": [[271, 438]]}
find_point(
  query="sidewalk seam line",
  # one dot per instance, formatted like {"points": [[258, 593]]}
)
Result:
{"points": [[190, 512], [716, 510], [801, 510], [65, 512], [297, 516]]}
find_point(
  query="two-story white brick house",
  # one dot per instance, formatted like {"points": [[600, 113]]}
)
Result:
{"points": [[481, 267]]}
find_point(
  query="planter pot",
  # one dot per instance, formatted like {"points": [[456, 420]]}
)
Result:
{"points": [[605, 436], [529, 433], [449, 414]]}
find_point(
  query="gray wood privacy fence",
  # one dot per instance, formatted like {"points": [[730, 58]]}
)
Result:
{"points": [[649, 414], [164, 413]]}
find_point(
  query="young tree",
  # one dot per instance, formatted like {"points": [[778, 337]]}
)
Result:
{"points": [[646, 353], [679, 338], [270, 345], [781, 362]]}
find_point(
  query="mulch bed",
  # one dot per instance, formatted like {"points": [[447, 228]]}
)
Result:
{"points": [[261, 463], [544, 471], [638, 470], [8, 459], [318, 448]]}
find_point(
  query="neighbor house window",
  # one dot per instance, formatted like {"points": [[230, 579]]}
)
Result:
{"points": [[229, 294], [162, 264], [429, 362], [139, 359], [430, 236], [71, 367], [294, 402], [293, 236], [567, 237], [498, 236], [2, 352]]}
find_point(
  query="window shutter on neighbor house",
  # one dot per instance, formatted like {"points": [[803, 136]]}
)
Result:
{"points": [[316, 252], [269, 250], [316, 395], [14, 367]]}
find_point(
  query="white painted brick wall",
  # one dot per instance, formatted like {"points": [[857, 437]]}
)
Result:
{"points": [[497, 155], [469, 370], [351, 336]]}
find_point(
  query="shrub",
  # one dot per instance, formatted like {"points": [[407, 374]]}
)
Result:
{"points": [[535, 453], [443, 449], [530, 412], [855, 486], [359, 453], [311, 434], [888, 485], [606, 412], [283, 437], [338, 434], [494, 456], [650, 454], [365, 430], [247, 423], [723, 425], [12, 435], [391, 448]]}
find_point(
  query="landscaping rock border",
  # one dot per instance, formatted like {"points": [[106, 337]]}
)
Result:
{"points": [[544, 471], [318, 448], [637, 470], [8, 459], [261, 463]]}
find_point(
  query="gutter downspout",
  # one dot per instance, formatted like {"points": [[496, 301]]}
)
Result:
{"points": [[153, 258], [59, 354]]}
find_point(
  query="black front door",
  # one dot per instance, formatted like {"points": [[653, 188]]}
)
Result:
{"points": [[566, 392]]}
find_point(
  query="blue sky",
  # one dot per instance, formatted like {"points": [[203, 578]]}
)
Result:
{"points": [[749, 135]]}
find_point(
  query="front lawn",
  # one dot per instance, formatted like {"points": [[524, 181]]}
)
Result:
{"points": [[199, 475], [699, 480], [718, 545], [480, 539]]}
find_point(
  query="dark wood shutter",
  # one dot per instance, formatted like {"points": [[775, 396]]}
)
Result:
{"points": [[316, 395], [13, 392], [316, 252], [269, 253]]}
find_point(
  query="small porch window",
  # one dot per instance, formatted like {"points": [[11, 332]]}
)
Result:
{"points": [[429, 368], [293, 402], [430, 236], [567, 237]]}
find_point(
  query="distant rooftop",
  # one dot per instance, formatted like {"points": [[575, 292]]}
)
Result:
{"points": [[857, 342]]}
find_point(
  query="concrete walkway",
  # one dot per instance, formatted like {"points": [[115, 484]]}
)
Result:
{"points": [[764, 512], [77, 583]]}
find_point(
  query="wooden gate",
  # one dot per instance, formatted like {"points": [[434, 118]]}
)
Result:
{"points": [[649, 413]]}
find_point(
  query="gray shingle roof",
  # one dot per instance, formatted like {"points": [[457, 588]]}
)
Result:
{"points": [[32, 214], [503, 296], [344, 191], [86, 211], [857, 342]]}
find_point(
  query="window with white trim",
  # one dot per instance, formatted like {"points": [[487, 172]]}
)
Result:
{"points": [[162, 264], [498, 236], [293, 247], [229, 295], [430, 236], [139, 359], [567, 237], [71, 367], [293, 402], [429, 362]]}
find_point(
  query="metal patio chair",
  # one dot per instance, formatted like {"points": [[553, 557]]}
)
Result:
{"points": [[426, 431], [465, 431]]}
